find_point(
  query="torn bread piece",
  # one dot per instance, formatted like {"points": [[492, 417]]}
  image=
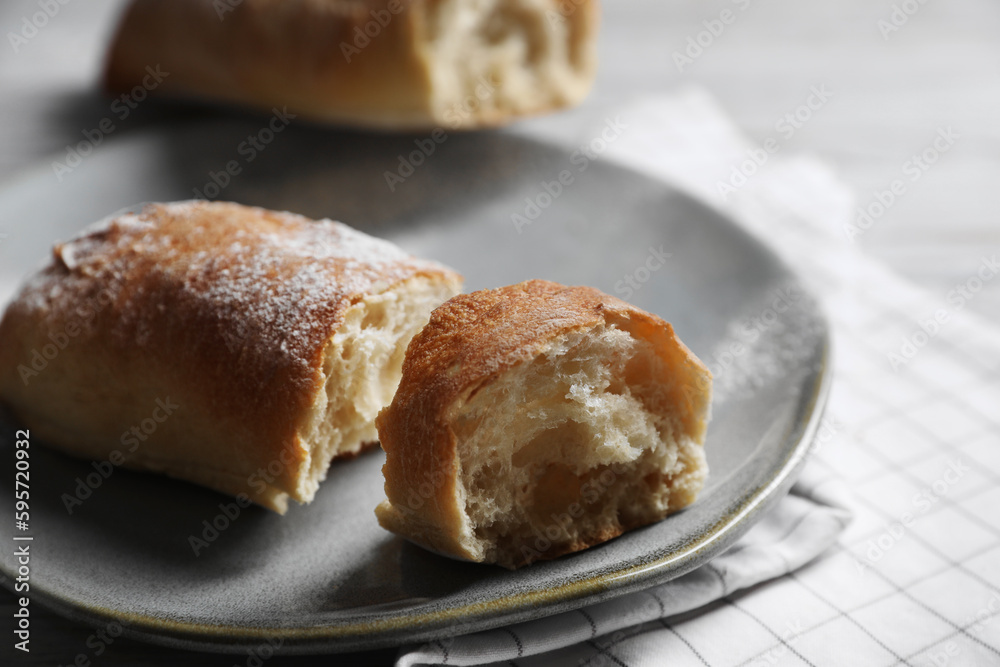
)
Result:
{"points": [[537, 420], [389, 64], [235, 347]]}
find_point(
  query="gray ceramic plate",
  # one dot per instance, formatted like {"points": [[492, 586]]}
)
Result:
{"points": [[326, 577]]}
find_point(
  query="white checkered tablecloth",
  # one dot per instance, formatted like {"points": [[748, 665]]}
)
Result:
{"points": [[913, 428]]}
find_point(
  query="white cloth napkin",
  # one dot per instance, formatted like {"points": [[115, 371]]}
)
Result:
{"points": [[803, 524], [913, 427]]}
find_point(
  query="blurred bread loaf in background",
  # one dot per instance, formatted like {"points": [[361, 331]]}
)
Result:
{"points": [[389, 64]]}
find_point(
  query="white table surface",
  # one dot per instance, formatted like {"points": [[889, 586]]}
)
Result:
{"points": [[890, 96]]}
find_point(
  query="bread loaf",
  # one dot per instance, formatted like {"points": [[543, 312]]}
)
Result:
{"points": [[235, 347], [536, 420], [390, 64]]}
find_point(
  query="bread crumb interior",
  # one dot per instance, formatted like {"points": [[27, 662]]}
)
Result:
{"points": [[573, 447], [362, 369]]}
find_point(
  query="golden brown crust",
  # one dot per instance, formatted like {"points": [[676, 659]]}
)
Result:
{"points": [[222, 310], [303, 55], [469, 341]]}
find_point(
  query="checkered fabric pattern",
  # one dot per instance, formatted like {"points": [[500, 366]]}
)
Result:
{"points": [[913, 428]]}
